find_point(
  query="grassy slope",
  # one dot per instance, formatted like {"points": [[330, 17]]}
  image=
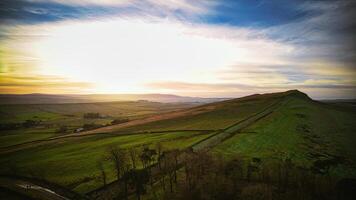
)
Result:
{"points": [[132, 109], [70, 115], [301, 129], [212, 116], [13, 137], [66, 161]]}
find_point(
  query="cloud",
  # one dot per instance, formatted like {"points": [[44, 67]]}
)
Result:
{"points": [[43, 84], [318, 90], [85, 2], [125, 53], [42, 11], [140, 46], [328, 33]]}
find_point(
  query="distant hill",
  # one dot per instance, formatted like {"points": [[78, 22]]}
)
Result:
{"points": [[89, 98], [214, 115], [291, 124], [287, 127]]}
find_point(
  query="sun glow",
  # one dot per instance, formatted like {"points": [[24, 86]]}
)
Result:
{"points": [[120, 55]]}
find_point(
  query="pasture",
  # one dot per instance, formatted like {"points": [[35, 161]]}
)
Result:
{"points": [[267, 128]]}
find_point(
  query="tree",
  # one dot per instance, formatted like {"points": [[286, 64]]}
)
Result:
{"points": [[91, 115], [169, 168], [138, 178], [100, 166], [234, 170], [119, 158], [147, 157], [30, 123], [133, 156], [159, 149], [119, 121], [62, 129]]}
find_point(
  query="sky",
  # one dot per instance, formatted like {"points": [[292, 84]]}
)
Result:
{"points": [[206, 48]]}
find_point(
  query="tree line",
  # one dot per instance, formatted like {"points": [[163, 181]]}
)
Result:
{"points": [[176, 174]]}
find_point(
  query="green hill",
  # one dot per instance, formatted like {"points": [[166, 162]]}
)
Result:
{"points": [[211, 116], [50, 117], [264, 126], [304, 130]]}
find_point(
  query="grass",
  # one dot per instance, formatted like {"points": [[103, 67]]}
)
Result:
{"points": [[259, 140], [69, 160], [302, 130], [14, 114], [71, 115], [222, 116], [131, 109], [13, 137]]}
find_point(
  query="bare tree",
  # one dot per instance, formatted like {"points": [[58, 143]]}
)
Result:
{"points": [[159, 149], [100, 166], [147, 158], [118, 157], [138, 178], [169, 168], [133, 156]]}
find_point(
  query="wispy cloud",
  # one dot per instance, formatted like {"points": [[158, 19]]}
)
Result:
{"points": [[85, 2], [316, 89], [42, 11], [44, 84], [156, 48], [181, 46]]}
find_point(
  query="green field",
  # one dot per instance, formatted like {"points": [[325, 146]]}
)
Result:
{"points": [[213, 116], [14, 137], [70, 115], [268, 127], [131, 109], [67, 161], [301, 129]]}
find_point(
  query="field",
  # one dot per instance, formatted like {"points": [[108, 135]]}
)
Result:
{"points": [[301, 130], [70, 115], [269, 127], [76, 158]]}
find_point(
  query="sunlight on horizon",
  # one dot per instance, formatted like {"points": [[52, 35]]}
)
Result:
{"points": [[121, 56], [176, 48]]}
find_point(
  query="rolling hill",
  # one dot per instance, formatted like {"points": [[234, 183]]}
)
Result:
{"points": [[265, 126], [94, 98]]}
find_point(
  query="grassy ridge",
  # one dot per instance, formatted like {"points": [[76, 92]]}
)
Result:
{"points": [[299, 128], [76, 157], [303, 130], [212, 116]]}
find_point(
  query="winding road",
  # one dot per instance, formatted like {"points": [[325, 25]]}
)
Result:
{"points": [[30, 189]]}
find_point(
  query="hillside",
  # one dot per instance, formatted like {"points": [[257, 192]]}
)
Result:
{"points": [[267, 127], [132, 109], [94, 98], [48, 118], [211, 116], [308, 132]]}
